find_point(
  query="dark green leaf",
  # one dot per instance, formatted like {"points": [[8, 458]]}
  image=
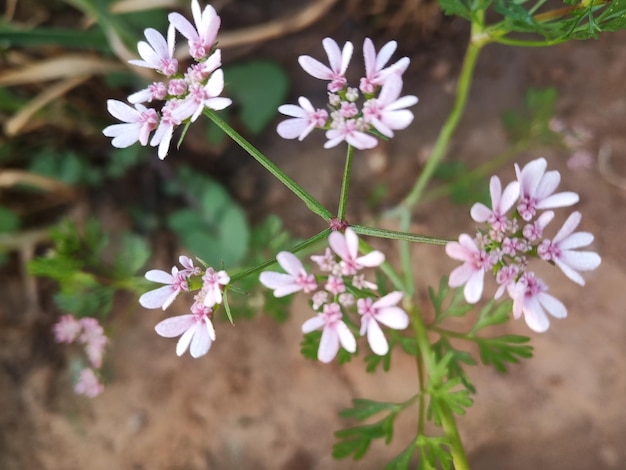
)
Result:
{"points": [[363, 408], [504, 349]]}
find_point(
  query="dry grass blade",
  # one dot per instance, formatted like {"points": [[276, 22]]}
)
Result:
{"points": [[17, 123], [67, 66]]}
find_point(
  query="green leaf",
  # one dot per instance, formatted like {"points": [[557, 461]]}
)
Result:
{"points": [[258, 87], [457, 359], [133, 253], [504, 349], [355, 441], [434, 453], [493, 313], [310, 344], [456, 307], [402, 460], [363, 408]]}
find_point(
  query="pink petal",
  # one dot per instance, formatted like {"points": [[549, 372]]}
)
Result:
{"points": [[388, 300], [474, 287], [564, 199], [122, 111], [509, 197], [372, 259], [183, 25], [337, 242], [479, 213], [175, 326], [315, 67], [290, 263], [460, 275]]}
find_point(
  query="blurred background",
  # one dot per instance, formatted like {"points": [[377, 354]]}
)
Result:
{"points": [[81, 221]]}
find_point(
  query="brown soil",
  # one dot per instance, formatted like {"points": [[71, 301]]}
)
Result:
{"points": [[253, 402]]}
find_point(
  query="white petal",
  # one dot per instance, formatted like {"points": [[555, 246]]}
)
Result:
{"points": [[376, 339], [565, 199], [460, 275], [535, 316], [581, 260], [393, 317], [313, 324], [158, 275], [329, 344], [568, 227], [290, 263], [158, 298], [185, 339], [174, 326], [576, 240], [389, 300], [480, 212], [554, 306], [201, 341], [509, 196], [337, 242], [372, 259], [346, 338], [474, 287], [315, 67]]}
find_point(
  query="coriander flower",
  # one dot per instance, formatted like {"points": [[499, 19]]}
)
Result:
{"points": [[138, 122], [158, 54], [202, 36], [386, 311], [195, 330], [88, 384], [295, 280], [561, 250], [334, 332], [472, 272], [346, 246], [387, 112], [304, 119], [530, 299], [501, 202], [338, 60], [163, 297]]}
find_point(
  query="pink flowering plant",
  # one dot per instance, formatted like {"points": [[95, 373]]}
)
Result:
{"points": [[359, 302]]}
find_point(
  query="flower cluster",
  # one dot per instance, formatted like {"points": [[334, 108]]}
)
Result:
{"points": [[514, 234], [382, 109], [195, 329], [182, 94], [88, 332], [340, 289]]}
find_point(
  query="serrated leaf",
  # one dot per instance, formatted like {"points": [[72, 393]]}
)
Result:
{"points": [[493, 313], [402, 460], [503, 349], [433, 455], [363, 408]]}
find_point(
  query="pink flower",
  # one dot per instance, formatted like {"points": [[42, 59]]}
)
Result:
{"points": [[560, 250], [375, 71], [163, 296], [67, 329], [201, 37], [295, 280], [351, 131], [338, 60], [500, 203], [155, 91], [201, 96], [212, 287], [163, 135], [530, 298], [305, 118], [334, 332], [88, 384], [386, 113], [537, 187], [386, 311], [472, 271], [188, 268], [346, 246], [138, 123], [94, 339], [158, 54], [195, 330]]}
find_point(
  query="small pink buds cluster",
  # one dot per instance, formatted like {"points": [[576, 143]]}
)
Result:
{"points": [[89, 333], [514, 234], [356, 115], [339, 290], [195, 329], [182, 95]]}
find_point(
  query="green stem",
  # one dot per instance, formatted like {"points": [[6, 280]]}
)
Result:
{"points": [[265, 264], [345, 184], [443, 140], [521, 43], [313, 204], [426, 358], [394, 235]]}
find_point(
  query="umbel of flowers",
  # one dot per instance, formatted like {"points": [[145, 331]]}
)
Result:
{"points": [[195, 329], [356, 115], [181, 95], [513, 234], [340, 290]]}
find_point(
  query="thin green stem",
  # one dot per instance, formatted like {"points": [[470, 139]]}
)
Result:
{"points": [[426, 358], [345, 184], [395, 235], [313, 204], [521, 43], [443, 140], [265, 264]]}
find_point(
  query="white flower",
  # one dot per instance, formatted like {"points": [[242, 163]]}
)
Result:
{"points": [[386, 113], [295, 280], [346, 246], [195, 330], [201, 37], [334, 332], [530, 298], [338, 60], [158, 54], [304, 119], [138, 123], [163, 297]]}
